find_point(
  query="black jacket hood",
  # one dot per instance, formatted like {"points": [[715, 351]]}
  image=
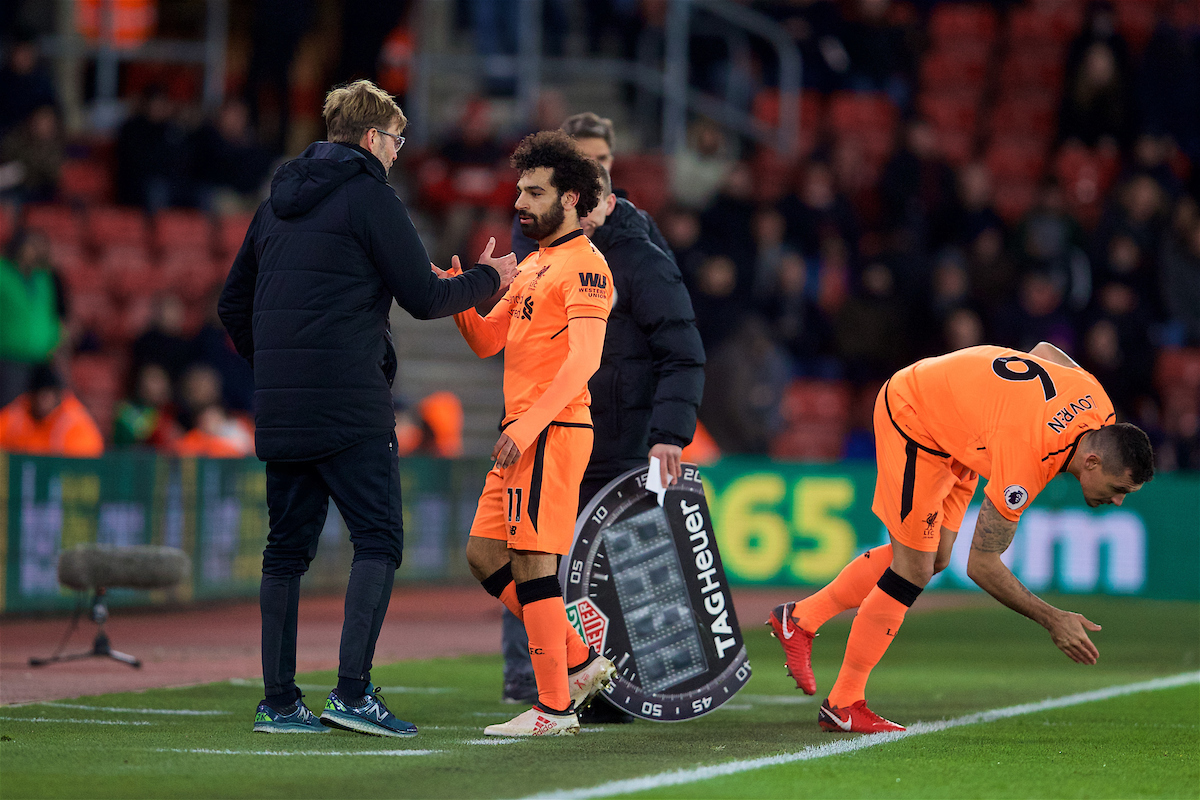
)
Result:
{"points": [[302, 183], [627, 222]]}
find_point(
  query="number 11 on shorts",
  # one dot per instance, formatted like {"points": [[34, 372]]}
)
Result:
{"points": [[514, 504]]}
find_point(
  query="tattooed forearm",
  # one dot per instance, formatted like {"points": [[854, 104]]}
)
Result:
{"points": [[993, 533]]}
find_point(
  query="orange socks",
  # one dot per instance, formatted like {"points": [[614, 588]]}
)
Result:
{"points": [[577, 649], [547, 625], [844, 592], [879, 618]]}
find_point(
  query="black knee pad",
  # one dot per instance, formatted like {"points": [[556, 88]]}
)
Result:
{"points": [[539, 589], [899, 588], [496, 582]]}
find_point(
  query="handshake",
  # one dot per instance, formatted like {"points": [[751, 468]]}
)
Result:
{"points": [[505, 265]]}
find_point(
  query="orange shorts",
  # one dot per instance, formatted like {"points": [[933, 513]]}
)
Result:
{"points": [[919, 489], [533, 503]]}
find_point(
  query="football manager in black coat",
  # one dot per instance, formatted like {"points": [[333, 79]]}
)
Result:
{"points": [[306, 303], [651, 377]]}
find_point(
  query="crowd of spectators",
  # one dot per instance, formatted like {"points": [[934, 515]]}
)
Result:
{"points": [[818, 267]]}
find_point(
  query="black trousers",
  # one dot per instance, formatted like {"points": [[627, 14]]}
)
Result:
{"points": [[364, 481]]}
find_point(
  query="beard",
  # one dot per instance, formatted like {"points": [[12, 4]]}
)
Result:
{"points": [[542, 226]]}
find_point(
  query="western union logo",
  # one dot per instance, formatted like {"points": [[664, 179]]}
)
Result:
{"points": [[593, 279]]}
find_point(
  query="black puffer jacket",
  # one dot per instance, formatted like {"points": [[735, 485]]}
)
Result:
{"points": [[307, 299], [651, 376]]}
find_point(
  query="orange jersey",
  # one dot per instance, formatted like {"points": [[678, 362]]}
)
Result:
{"points": [[1010, 416], [566, 280], [67, 431]]}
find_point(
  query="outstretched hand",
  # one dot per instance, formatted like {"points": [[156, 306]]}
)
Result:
{"points": [[505, 265], [1069, 632]]}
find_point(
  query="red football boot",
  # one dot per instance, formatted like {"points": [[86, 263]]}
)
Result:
{"points": [[797, 647], [854, 718]]}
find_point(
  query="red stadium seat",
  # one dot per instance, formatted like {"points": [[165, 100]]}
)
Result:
{"points": [[809, 441], [959, 68], [7, 224], [1016, 158], [1013, 197], [116, 225], [1178, 367], [60, 223], [957, 147], [956, 111], [811, 111], [86, 181], [182, 229], [816, 401], [950, 23], [1038, 68], [851, 112], [1055, 23], [231, 232], [644, 177], [1085, 177], [96, 374], [1135, 21]]}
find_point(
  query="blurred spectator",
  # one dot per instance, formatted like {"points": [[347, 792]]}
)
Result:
{"points": [[714, 300], [744, 381], [618, 21], [963, 327], [989, 269], [1050, 241], [1152, 156], [1181, 275], [1138, 208], [769, 250], [881, 58], [215, 435], [212, 346], [728, 224], [1097, 107], [797, 322], [148, 417], [816, 26], [698, 170], [24, 84], [150, 154], [276, 31], [442, 416], [33, 311], [1099, 27], [1117, 347], [918, 189], [199, 388], [817, 210], [978, 213], [1169, 81], [228, 165], [163, 343], [681, 228], [703, 450], [1037, 315], [872, 327], [949, 293], [31, 157], [495, 25], [49, 420]]}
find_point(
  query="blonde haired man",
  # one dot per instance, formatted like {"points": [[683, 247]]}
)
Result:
{"points": [[306, 303]]}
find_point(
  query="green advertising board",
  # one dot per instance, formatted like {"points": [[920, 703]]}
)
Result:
{"points": [[777, 524]]}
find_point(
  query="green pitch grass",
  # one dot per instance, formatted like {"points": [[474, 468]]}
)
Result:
{"points": [[943, 665]]}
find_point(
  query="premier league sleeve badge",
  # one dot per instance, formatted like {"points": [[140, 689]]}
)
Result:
{"points": [[644, 585]]}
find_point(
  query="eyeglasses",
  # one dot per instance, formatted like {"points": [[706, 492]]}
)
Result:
{"points": [[399, 139]]}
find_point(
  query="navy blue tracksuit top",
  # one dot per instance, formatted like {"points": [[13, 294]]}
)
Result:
{"points": [[307, 300]]}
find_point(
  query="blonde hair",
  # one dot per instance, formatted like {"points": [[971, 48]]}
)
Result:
{"points": [[354, 107]]}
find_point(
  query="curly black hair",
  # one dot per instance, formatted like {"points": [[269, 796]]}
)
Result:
{"points": [[571, 170]]}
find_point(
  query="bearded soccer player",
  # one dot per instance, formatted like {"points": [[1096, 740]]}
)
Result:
{"points": [[1018, 419], [551, 325]]}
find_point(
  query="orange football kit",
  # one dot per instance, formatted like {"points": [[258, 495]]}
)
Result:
{"points": [[1009, 416]]}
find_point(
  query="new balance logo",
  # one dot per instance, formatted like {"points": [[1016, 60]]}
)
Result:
{"points": [[593, 279]]}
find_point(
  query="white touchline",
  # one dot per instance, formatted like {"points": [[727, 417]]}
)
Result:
{"points": [[201, 751], [182, 712], [683, 776], [79, 721]]}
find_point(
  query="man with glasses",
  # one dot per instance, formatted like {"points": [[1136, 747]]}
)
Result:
{"points": [[306, 303]]}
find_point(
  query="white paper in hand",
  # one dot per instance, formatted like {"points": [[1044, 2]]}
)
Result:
{"points": [[654, 479]]}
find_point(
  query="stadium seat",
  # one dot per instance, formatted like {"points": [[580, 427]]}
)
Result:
{"points": [[182, 229], [1085, 177], [1051, 23], [7, 224], [811, 110], [1136, 21], [231, 232], [85, 181], [956, 111], [950, 23], [1178, 367], [816, 401], [96, 374], [959, 68], [117, 225], [1037, 67], [644, 177], [60, 223], [1024, 116], [809, 441], [851, 112], [957, 147], [1013, 197], [1015, 158]]}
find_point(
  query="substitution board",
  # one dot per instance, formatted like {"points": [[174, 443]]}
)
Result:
{"points": [[644, 585]]}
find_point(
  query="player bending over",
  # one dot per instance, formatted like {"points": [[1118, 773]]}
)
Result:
{"points": [[1018, 419], [551, 325]]}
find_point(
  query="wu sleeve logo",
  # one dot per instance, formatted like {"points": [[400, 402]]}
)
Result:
{"points": [[1015, 496], [593, 279]]}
